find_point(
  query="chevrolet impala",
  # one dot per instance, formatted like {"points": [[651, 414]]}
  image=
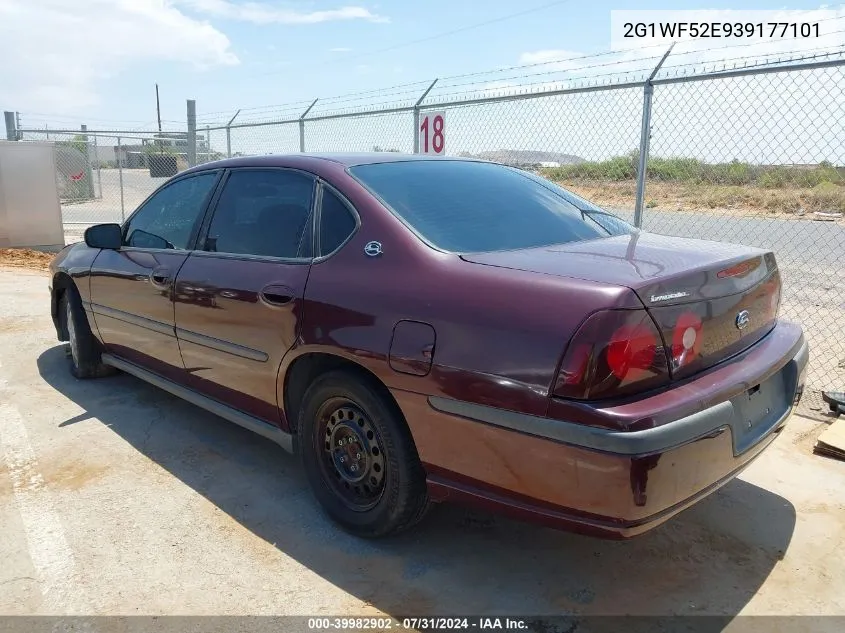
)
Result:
{"points": [[422, 329]]}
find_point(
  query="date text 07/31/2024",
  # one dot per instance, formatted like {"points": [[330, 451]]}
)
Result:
{"points": [[417, 624]]}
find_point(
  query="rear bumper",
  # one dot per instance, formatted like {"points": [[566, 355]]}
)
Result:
{"points": [[610, 482]]}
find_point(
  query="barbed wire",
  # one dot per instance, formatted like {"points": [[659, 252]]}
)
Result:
{"points": [[560, 71], [496, 75], [632, 75], [399, 95], [760, 59]]}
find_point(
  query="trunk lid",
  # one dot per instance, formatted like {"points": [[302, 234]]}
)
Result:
{"points": [[709, 300]]}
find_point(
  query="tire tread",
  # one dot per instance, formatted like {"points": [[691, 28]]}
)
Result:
{"points": [[90, 364], [408, 501]]}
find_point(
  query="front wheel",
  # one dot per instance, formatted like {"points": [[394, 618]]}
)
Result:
{"points": [[85, 359], [359, 456]]}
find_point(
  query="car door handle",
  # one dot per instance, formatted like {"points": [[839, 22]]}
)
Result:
{"points": [[275, 298], [160, 277], [275, 295]]}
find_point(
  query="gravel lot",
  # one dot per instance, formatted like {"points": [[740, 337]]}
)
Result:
{"points": [[116, 498]]}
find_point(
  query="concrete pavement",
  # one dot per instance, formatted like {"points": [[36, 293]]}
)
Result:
{"points": [[117, 498]]}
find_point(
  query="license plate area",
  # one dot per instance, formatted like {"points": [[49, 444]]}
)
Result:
{"points": [[758, 411]]}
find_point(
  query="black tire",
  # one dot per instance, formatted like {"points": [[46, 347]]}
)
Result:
{"points": [[85, 359], [339, 407]]}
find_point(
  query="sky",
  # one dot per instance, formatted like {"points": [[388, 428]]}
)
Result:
{"points": [[97, 61]]}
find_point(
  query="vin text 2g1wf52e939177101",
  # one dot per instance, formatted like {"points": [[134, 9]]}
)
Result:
{"points": [[423, 329]]}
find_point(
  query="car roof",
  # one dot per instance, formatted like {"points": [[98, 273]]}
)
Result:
{"points": [[349, 159]]}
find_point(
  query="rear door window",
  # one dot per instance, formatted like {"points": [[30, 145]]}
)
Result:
{"points": [[336, 222], [262, 213]]}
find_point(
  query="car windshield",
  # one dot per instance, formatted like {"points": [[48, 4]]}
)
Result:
{"points": [[466, 206]]}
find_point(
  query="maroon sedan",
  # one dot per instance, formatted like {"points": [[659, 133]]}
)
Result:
{"points": [[424, 330]]}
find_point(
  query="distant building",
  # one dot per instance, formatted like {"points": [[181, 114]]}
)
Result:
{"points": [[135, 156], [179, 141]]}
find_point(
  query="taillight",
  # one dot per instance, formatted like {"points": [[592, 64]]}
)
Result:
{"points": [[631, 351], [613, 353], [774, 299], [686, 339], [741, 269]]}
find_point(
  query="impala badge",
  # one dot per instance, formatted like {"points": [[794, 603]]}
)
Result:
{"points": [[671, 295], [742, 319], [373, 249]]}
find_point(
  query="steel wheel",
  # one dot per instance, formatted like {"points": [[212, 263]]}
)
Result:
{"points": [[352, 456], [359, 455]]}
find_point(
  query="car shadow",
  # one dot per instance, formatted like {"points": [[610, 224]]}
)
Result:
{"points": [[709, 559]]}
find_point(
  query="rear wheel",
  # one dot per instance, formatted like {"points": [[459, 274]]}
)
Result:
{"points": [[359, 456], [85, 360]]}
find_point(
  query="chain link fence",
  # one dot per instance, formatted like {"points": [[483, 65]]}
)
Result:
{"points": [[390, 132], [759, 159], [753, 156]]}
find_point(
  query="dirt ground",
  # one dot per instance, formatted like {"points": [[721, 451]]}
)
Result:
{"points": [[117, 498], [25, 258], [723, 200]]}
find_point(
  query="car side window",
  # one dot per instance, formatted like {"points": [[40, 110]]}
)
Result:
{"points": [[336, 222], [167, 219], [261, 212]]}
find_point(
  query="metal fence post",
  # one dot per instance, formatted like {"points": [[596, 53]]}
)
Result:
{"points": [[207, 144], [417, 117], [192, 133], [89, 176], [645, 137], [229, 134], [120, 176], [302, 126], [99, 176], [11, 132]]}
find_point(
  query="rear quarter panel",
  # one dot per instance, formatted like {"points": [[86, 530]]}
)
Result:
{"points": [[499, 333]]}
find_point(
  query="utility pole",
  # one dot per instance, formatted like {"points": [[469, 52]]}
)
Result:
{"points": [[158, 116], [11, 131], [192, 132]]}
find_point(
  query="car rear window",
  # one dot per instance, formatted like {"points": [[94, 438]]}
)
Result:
{"points": [[465, 206]]}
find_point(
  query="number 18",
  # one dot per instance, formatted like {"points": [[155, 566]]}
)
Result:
{"points": [[437, 138]]}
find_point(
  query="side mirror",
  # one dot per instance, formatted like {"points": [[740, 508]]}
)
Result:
{"points": [[104, 236]]}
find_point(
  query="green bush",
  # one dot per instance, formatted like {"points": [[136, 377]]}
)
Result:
{"points": [[617, 168], [153, 147], [675, 169], [774, 178], [694, 171], [819, 175], [733, 173]]}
